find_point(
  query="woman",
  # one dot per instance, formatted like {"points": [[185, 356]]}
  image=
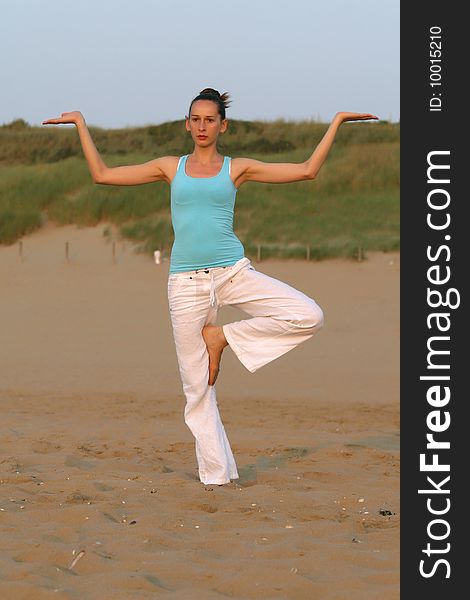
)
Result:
{"points": [[208, 268]]}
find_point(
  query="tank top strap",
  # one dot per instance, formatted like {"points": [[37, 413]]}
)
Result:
{"points": [[225, 169], [185, 156]]}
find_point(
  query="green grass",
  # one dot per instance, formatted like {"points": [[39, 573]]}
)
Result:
{"points": [[353, 203]]}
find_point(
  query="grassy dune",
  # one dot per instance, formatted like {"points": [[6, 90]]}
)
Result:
{"points": [[354, 202]]}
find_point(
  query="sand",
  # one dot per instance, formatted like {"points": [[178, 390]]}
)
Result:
{"points": [[100, 497]]}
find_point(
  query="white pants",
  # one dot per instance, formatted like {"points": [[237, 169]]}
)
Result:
{"points": [[282, 318]]}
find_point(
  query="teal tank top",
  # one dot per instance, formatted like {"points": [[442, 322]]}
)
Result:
{"points": [[202, 219]]}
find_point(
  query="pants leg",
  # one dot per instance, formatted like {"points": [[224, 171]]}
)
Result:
{"points": [[190, 310], [283, 317]]}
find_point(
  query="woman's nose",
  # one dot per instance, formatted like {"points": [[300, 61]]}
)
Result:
{"points": [[202, 124]]}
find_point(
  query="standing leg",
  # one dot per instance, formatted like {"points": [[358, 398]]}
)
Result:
{"points": [[190, 311], [283, 317]]}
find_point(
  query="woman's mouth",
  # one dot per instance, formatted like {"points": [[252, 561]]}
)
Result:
{"points": [[202, 137]]}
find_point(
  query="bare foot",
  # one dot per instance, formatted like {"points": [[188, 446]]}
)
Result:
{"points": [[215, 341]]}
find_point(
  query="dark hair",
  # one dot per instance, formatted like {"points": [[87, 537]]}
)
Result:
{"points": [[222, 101]]}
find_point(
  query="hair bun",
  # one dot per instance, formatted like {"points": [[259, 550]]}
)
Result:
{"points": [[210, 91], [224, 98]]}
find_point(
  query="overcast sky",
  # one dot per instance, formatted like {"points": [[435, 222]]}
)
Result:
{"points": [[137, 62]]}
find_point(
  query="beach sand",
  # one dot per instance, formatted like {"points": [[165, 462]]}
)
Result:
{"points": [[100, 498]]}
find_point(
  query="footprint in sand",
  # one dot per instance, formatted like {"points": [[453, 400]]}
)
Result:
{"points": [[43, 446], [208, 508], [179, 447], [92, 450], [103, 487], [381, 523], [77, 498], [103, 451], [76, 461], [203, 506], [320, 476]]}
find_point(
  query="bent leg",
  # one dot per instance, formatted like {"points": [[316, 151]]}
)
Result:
{"points": [[283, 317]]}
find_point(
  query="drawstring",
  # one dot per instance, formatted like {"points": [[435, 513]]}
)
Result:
{"points": [[212, 294]]}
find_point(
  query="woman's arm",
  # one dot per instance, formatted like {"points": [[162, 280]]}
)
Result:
{"points": [[153, 170], [248, 169]]}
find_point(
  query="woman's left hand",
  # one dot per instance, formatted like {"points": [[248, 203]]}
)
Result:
{"points": [[351, 116]]}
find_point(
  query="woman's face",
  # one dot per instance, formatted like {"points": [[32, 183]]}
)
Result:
{"points": [[204, 123]]}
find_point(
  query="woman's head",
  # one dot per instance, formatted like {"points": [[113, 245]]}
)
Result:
{"points": [[222, 101], [206, 117]]}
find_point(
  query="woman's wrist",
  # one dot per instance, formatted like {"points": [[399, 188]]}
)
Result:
{"points": [[338, 118]]}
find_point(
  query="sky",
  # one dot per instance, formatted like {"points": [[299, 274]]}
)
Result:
{"points": [[139, 62]]}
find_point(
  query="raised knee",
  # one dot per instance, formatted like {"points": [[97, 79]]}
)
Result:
{"points": [[312, 318], [315, 318]]}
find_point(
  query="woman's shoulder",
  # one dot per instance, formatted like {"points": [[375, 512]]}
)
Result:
{"points": [[169, 165], [239, 166]]}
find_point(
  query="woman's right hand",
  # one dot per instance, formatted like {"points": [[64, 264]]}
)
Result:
{"points": [[352, 116], [66, 117]]}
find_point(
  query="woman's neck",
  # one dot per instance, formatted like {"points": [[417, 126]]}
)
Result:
{"points": [[205, 156]]}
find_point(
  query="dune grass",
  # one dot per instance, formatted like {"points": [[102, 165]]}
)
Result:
{"points": [[353, 204]]}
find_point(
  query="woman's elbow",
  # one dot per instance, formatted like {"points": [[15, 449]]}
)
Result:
{"points": [[99, 178], [308, 172]]}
